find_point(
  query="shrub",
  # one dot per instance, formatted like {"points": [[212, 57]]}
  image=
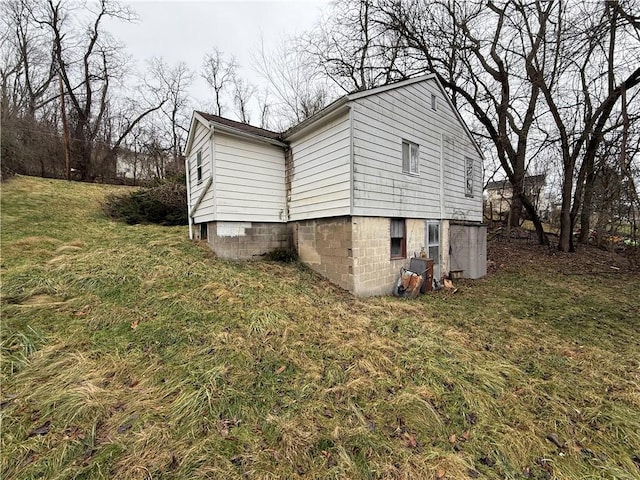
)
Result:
{"points": [[164, 204]]}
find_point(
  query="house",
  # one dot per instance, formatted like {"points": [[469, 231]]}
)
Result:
{"points": [[499, 194], [375, 178]]}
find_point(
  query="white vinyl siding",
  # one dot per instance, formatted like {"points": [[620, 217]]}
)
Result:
{"points": [[249, 181], [201, 147], [459, 205], [320, 177], [382, 122]]}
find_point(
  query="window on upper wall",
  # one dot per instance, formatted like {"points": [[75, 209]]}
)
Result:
{"points": [[410, 157], [398, 238], [199, 166], [434, 102], [468, 177]]}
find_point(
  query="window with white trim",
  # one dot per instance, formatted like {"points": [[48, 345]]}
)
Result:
{"points": [[434, 102], [410, 157], [433, 245], [468, 176], [199, 166]]}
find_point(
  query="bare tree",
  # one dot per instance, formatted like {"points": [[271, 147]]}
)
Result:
{"points": [[87, 64], [33, 65], [243, 92], [172, 83], [294, 82], [470, 46], [219, 73], [528, 71], [354, 49]]}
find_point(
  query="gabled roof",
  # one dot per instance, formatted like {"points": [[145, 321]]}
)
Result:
{"points": [[245, 127], [335, 106], [326, 113]]}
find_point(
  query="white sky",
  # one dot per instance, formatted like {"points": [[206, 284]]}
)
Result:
{"points": [[187, 30]]}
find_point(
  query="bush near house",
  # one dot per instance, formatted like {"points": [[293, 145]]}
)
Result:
{"points": [[163, 204], [130, 352]]}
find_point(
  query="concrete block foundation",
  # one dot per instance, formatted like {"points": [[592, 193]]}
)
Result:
{"points": [[352, 252]]}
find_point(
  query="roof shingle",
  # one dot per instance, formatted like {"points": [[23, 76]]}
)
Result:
{"points": [[241, 126]]}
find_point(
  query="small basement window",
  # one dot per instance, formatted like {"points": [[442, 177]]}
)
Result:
{"points": [[204, 231], [398, 238], [410, 157], [199, 166]]}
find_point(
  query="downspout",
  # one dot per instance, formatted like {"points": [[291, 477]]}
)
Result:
{"points": [[442, 192], [188, 179], [351, 163], [212, 158], [445, 247]]}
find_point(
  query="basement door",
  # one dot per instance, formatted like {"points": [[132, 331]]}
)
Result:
{"points": [[432, 241]]}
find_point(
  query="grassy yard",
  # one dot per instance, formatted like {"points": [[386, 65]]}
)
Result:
{"points": [[130, 352]]}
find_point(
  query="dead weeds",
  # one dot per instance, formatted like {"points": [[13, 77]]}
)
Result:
{"points": [[264, 370]]}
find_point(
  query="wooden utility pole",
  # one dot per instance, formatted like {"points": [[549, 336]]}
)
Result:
{"points": [[65, 131]]}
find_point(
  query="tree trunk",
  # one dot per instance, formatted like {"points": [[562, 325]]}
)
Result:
{"points": [[515, 212], [587, 207], [535, 218], [565, 243]]}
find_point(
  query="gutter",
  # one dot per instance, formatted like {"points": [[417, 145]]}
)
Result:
{"points": [[239, 133]]}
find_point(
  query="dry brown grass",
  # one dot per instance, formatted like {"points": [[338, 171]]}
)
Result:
{"points": [[137, 354]]}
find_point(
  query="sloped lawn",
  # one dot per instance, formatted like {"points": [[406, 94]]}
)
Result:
{"points": [[131, 352]]}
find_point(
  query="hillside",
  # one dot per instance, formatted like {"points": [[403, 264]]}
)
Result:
{"points": [[130, 352]]}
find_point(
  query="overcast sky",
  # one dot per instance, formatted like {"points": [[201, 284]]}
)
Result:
{"points": [[186, 30]]}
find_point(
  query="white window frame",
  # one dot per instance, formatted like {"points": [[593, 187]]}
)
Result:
{"points": [[410, 158], [401, 239], [434, 102], [468, 176], [433, 243]]}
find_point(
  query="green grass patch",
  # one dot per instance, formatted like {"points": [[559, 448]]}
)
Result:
{"points": [[130, 352]]}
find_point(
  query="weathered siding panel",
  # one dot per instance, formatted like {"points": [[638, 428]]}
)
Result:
{"points": [[201, 143], [249, 181], [381, 188], [458, 205], [320, 177]]}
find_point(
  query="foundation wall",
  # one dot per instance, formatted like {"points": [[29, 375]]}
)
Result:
{"points": [[374, 271], [352, 252], [245, 240], [326, 246]]}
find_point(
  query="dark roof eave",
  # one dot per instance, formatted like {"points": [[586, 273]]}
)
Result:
{"points": [[241, 127]]}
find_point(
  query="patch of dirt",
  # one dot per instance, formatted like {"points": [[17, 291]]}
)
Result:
{"points": [[523, 252]]}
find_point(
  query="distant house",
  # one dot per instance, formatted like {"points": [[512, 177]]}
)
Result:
{"points": [[500, 193], [357, 189]]}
